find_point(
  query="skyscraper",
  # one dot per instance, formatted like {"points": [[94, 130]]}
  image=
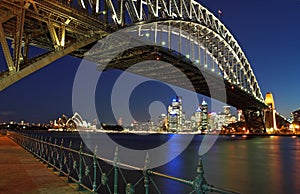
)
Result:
{"points": [[198, 118], [175, 114], [204, 120]]}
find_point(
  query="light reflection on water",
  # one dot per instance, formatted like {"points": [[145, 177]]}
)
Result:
{"points": [[245, 165]]}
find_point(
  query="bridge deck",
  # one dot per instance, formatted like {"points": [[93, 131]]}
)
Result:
{"points": [[22, 173]]}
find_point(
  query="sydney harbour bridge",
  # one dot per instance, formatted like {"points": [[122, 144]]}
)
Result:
{"points": [[72, 27]]}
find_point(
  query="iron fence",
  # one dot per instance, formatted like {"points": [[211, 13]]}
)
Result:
{"points": [[99, 175]]}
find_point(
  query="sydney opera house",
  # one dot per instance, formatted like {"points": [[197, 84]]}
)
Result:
{"points": [[69, 124]]}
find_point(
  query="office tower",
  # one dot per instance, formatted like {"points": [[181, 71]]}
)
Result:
{"points": [[175, 114], [204, 120]]}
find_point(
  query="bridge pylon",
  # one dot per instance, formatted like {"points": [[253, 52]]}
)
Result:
{"points": [[270, 114]]}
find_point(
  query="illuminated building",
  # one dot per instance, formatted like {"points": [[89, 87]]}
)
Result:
{"points": [[226, 110], [214, 120], [175, 114], [196, 119], [163, 122], [204, 119], [296, 116], [240, 116]]}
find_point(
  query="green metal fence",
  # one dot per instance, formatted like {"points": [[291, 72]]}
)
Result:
{"points": [[99, 175]]}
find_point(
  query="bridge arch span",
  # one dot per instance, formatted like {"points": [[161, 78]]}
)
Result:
{"points": [[202, 27]]}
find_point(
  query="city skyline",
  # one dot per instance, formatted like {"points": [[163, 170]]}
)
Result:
{"points": [[267, 38]]}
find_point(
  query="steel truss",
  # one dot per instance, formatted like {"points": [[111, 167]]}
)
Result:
{"points": [[57, 25], [195, 20]]}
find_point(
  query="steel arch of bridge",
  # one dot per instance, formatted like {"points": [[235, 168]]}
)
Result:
{"points": [[205, 29], [107, 16]]}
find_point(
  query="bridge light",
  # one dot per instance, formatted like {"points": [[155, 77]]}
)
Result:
{"points": [[232, 87], [157, 58], [187, 56], [163, 43], [147, 34], [197, 61], [205, 65], [213, 70]]}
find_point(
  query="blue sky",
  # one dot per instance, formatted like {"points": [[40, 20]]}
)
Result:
{"points": [[267, 31]]}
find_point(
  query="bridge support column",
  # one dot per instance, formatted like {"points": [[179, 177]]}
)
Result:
{"points": [[270, 117]]}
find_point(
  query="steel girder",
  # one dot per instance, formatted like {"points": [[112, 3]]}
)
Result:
{"points": [[55, 25], [220, 43], [51, 25]]}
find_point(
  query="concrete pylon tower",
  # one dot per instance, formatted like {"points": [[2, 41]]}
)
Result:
{"points": [[270, 118]]}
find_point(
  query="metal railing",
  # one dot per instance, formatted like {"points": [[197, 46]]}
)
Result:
{"points": [[99, 175]]}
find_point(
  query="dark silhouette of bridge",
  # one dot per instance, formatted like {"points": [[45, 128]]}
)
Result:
{"points": [[213, 59]]}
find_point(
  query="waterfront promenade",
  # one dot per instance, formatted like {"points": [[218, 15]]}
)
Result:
{"points": [[20, 172]]}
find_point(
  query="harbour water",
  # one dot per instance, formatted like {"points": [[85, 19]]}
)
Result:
{"points": [[252, 164], [247, 165]]}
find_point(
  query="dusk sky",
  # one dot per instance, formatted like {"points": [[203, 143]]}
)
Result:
{"points": [[267, 31]]}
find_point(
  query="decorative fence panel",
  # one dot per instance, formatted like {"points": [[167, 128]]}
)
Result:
{"points": [[99, 175]]}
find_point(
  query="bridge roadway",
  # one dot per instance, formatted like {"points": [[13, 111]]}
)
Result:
{"points": [[22, 173], [203, 80]]}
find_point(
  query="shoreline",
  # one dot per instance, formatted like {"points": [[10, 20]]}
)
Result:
{"points": [[244, 135], [175, 133]]}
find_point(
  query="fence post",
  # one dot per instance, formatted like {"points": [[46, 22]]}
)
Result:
{"points": [[116, 159], [69, 162], [41, 148], [129, 189], [32, 145], [50, 152], [199, 180], [95, 170], [146, 175], [54, 154], [25, 142], [61, 158], [80, 169]]}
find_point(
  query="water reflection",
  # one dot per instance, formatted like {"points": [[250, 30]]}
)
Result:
{"points": [[246, 165]]}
